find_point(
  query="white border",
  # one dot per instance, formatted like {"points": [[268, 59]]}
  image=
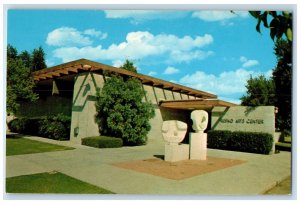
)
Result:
{"points": [[153, 4]]}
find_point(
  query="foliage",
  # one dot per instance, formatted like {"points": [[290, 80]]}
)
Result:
{"points": [[51, 182], [260, 91], [25, 57], [24, 125], [251, 142], [19, 81], [280, 24], [282, 76], [54, 127], [21, 145], [19, 85], [102, 142], [129, 66], [254, 142], [121, 111], [38, 59], [218, 139]]}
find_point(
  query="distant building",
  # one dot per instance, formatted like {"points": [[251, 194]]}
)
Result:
{"points": [[70, 88]]}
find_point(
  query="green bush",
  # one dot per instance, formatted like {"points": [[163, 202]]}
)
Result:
{"points": [[121, 111], [102, 142], [218, 139], [55, 127], [24, 125], [254, 142]]}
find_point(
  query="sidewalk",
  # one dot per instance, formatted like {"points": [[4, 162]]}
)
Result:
{"points": [[92, 165]]}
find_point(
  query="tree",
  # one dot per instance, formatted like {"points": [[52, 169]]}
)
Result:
{"points": [[19, 82], [280, 24], [260, 91], [26, 58], [129, 66], [121, 111], [282, 76], [12, 52], [38, 59]]}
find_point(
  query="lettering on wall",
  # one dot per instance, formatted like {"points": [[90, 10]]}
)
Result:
{"points": [[243, 121], [244, 118]]}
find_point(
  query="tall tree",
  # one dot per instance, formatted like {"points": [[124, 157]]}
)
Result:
{"points": [[26, 58], [38, 59], [12, 52], [260, 91], [19, 82], [121, 111], [282, 76], [128, 65]]}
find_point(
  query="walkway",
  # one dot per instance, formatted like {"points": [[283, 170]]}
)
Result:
{"points": [[92, 165]]}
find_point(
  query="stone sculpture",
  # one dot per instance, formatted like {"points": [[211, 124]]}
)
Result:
{"points": [[200, 120], [173, 132], [198, 140]]}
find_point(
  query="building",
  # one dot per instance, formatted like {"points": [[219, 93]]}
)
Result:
{"points": [[70, 88]]}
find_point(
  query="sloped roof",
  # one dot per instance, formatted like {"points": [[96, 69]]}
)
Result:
{"points": [[195, 104], [84, 65]]}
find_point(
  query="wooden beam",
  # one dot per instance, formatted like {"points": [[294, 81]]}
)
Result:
{"points": [[62, 71]]}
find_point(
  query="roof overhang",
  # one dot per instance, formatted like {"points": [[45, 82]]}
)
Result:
{"points": [[196, 104], [83, 65]]}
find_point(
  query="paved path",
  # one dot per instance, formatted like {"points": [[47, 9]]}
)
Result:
{"points": [[92, 165]]}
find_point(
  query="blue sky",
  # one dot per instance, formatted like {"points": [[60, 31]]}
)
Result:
{"points": [[213, 51]]}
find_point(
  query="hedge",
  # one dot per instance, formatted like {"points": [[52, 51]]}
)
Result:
{"points": [[253, 142], [54, 127], [102, 142]]}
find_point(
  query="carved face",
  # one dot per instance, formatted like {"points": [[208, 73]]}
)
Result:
{"points": [[173, 131], [200, 120]]}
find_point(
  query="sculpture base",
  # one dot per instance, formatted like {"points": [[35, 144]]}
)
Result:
{"points": [[198, 146], [176, 152]]}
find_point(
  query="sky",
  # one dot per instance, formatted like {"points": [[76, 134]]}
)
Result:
{"points": [[209, 50]]}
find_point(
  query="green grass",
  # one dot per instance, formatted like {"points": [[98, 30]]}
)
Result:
{"points": [[52, 182], [283, 146], [20, 145]]}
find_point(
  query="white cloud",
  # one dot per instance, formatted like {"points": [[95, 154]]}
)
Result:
{"points": [[179, 56], [224, 84], [212, 16], [248, 63], [152, 73], [50, 63], [67, 36], [117, 63], [171, 70], [95, 33], [143, 44], [138, 16]]}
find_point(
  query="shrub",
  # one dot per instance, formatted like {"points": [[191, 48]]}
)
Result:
{"points": [[121, 111], [54, 127], [102, 142], [24, 125], [253, 142], [218, 139]]}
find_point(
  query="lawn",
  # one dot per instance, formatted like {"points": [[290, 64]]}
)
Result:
{"points": [[21, 145], [52, 182]]}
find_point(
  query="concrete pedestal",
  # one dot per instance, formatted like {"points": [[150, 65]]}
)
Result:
{"points": [[176, 152], [198, 146]]}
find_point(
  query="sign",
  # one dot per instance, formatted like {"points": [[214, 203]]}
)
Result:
{"points": [[244, 118]]}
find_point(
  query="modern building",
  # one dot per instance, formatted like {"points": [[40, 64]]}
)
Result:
{"points": [[70, 88]]}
